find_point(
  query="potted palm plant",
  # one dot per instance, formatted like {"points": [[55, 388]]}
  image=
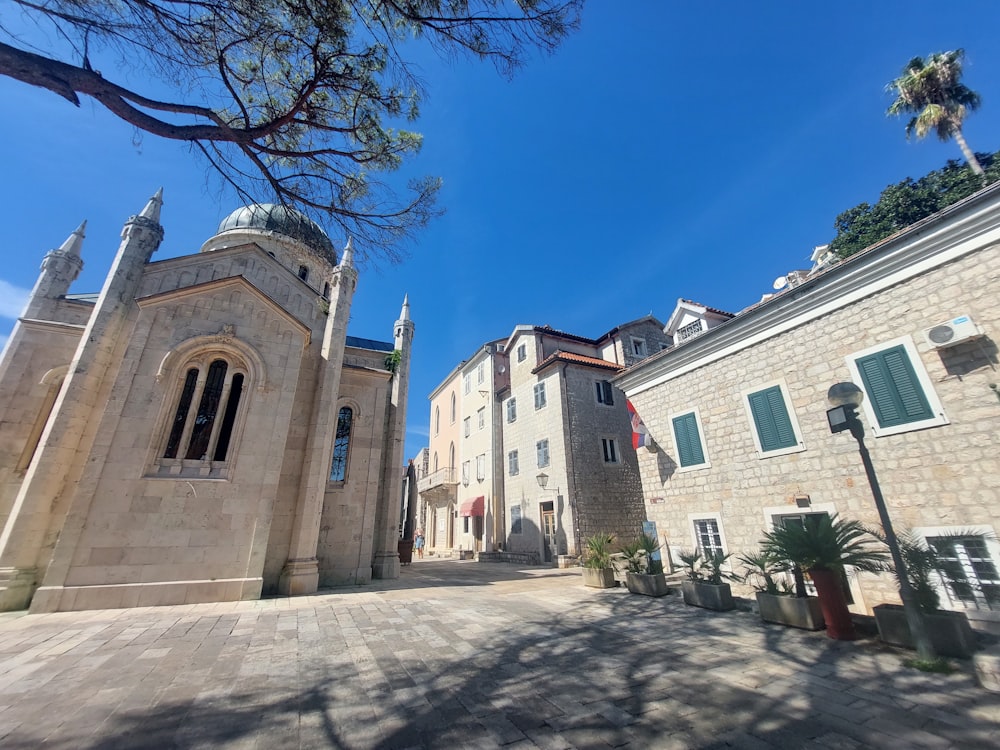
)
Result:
{"points": [[777, 601], [598, 571], [823, 546], [643, 570], [950, 632], [705, 586]]}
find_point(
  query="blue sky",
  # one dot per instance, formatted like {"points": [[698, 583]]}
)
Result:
{"points": [[693, 150]]}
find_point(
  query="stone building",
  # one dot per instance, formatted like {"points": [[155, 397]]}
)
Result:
{"points": [[538, 443], [203, 429], [738, 413]]}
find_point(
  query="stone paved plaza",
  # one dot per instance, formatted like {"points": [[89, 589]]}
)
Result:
{"points": [[463, 654]]}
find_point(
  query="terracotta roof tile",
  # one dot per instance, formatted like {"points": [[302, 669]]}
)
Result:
{"points": [[710, 309], [578, 359]]}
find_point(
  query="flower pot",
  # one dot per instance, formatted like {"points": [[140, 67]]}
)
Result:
{"points": [[717, 596], [833, 603], [647, 584], [599, 578], [793, 611], [950, 632]]}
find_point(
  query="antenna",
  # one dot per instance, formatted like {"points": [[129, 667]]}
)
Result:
{"points": [[780, 283]]}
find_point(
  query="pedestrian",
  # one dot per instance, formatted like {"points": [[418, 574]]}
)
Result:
{"points": [[418, 544]]}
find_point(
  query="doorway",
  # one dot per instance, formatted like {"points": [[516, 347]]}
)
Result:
{"points": [[549, 544]]}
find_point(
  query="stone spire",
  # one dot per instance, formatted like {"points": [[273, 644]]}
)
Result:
{"points": [[404, 314], [74, 242], [152, 209], [347, 259]]}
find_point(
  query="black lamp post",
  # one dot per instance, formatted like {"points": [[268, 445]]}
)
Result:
{"points": [[845, 399]]}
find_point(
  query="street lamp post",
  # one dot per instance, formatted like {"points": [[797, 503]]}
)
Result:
{"points": [[845, 399]]}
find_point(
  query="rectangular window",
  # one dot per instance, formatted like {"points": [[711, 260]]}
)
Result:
{"points": [[610, 448], [967, 571], [639, 347], [774, 429], [465, 524], [708, 536], [468, 426], [542, 453], [467, 383], [687, 437], [515, 519], [899, 395], [539, 395], [522, 352], [466, 467], [480, 467], [480, 372], [512, 463], [481, 414], [604, 393], [512, 410]]}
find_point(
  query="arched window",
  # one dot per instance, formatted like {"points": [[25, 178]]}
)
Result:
{"points": [[341, 444], [435, 461], [437, 419], [202, 428], [453, 411], [451, 456]]}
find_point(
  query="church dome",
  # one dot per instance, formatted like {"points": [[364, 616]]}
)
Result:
{"points": [[271, 217]]}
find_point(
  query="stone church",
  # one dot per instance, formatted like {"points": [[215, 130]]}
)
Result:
{"points": [[203, 429]]}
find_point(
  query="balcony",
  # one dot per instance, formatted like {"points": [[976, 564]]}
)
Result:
{"points": [[442, 481]]}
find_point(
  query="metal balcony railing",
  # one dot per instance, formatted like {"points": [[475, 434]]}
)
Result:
{"points": [[440, 478]]}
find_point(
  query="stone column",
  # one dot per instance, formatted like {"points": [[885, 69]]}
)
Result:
{"points": [[301, 572], [385, 562], [29, 535]]}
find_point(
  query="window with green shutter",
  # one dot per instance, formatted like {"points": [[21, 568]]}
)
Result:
{"points": [[770, 417], [688, 438], [892, 386]]}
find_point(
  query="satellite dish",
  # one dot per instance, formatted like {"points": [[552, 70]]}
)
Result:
{"points": [[780, 283]]}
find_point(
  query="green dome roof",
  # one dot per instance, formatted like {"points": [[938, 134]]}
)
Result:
{"points": [[271, 217]]}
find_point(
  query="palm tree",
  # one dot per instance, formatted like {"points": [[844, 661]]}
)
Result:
{"points": [[931, 91]]}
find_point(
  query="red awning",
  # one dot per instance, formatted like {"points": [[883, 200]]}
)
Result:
{"points": [[473, 507]]}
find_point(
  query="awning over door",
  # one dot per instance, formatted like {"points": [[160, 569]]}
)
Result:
{"points": [[473, 507]]}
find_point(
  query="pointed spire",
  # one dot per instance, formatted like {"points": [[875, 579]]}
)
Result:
{"points": [[347, 259], [74, 242], [405, 312], [152, 209]]}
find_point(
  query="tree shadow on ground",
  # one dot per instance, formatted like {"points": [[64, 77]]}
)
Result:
{"points": [[607, 669]]}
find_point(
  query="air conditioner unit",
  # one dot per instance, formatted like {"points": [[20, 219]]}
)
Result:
{"points": [[955, 331]]}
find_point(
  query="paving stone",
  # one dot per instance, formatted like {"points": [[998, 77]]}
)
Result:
{"points": [[458, 654]]}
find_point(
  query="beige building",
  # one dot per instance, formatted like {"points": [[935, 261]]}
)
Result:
{"points": [[540, 448], [738, 412], [203, 429]]}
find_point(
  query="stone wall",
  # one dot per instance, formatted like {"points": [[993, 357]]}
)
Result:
{"points": [[946, 475]]}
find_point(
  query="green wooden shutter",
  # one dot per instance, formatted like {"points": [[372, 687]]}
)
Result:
{"points": [[774, 427], [688, 440], [892, 386]]}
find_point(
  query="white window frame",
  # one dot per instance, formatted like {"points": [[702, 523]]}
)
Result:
{"points": [[992, 545], [745, 396], [481, 415], [466, 472], [480, 373], [707, 463], [480, 467], [513, 466], [601, 390], [522, 352], [539, 390], [926, 384], [538, 453], [694, 518], [511, 410], [614, 452], [639, 348], [467, 424], [467, 383]]}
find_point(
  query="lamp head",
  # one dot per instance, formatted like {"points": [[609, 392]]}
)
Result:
{"points": [[845, 394], [543, 479]]}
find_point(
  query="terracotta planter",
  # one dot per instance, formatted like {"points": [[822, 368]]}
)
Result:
{"points": [[647, 584], [834, 605], [599, 578], [718, 597], [950, 632], [793, 611]]}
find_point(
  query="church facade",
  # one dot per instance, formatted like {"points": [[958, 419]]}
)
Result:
{"points": [[203, 429]]}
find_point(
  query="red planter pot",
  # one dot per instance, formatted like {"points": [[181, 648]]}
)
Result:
{"points": [[831, 600]]}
